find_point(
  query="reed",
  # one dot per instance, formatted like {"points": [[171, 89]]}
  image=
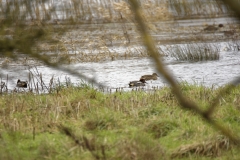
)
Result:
{"points": [[193, 52], [184, 9]]}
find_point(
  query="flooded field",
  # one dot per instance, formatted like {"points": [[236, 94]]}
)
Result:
{"points": [[118, 73], [104, 53]]}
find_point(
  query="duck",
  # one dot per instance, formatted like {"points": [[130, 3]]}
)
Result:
{"points": [[150, 77], [229, 33], [2, 85], [213, 27], [141, 82], [21, 84]]}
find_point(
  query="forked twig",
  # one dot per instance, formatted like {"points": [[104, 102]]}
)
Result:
{"points": [[212, 106], [184, 102]]}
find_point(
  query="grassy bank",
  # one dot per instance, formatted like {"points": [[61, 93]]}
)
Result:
{"points": [[81, 123]]}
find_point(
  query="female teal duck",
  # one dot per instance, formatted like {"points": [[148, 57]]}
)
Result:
{"points": [[150, 77], [141, 82], [2, 85], [213, 27], [21, 84]]}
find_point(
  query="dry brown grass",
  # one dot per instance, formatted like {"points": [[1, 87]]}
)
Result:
{"points": [[140, 148], [211, 148]]}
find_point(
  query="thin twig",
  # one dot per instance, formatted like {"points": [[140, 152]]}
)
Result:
{"points": [[184, 102]]}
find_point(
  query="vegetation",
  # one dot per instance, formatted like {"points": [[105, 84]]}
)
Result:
{"points": [[193, 52], [184, 9], [82, 123], [34, 31]]}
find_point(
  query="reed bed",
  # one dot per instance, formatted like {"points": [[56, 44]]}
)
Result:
{"points": [[90, 11], [185, 9], [68, 39], [193, 52]]}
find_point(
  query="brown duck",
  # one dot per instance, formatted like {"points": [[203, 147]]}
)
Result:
{"points": [[150, 77], [229, 33], [213, 27]]}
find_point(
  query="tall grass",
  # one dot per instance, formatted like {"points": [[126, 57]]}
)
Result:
{"points": [[185, 9], [193, 52], [80, 122]]}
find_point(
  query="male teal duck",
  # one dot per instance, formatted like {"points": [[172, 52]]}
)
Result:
{"points": [[150, 77], [21, 84], [141, 82]]}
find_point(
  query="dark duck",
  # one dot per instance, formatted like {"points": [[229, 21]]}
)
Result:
{"points": [[141, 82], [21, 84]]}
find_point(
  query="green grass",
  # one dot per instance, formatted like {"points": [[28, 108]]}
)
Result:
{"points": [[82, 123]]}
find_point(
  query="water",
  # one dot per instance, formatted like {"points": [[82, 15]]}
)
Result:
{"points": [[118, 73]]}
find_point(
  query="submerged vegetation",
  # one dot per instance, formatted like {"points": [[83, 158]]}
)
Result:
{"points": [[85, 31], [82, 123]]}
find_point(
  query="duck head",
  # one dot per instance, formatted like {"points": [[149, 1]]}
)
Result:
{"points": [[155, 74], [142, 80]]}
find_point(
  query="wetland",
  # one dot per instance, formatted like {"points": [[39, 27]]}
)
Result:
{"points": [[77, 51], [103, 52]]}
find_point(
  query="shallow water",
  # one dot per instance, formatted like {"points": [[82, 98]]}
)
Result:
{"points": [[118, 73]]}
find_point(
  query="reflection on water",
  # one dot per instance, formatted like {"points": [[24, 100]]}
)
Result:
{"points": [[119, 73]]}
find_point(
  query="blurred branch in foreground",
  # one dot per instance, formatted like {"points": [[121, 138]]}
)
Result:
{"points": [[27, 28], [184, 102], [234, 5]]}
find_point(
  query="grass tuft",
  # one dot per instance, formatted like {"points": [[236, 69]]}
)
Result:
{"points": [[140, 147], [211, 148], [160, 128]]}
